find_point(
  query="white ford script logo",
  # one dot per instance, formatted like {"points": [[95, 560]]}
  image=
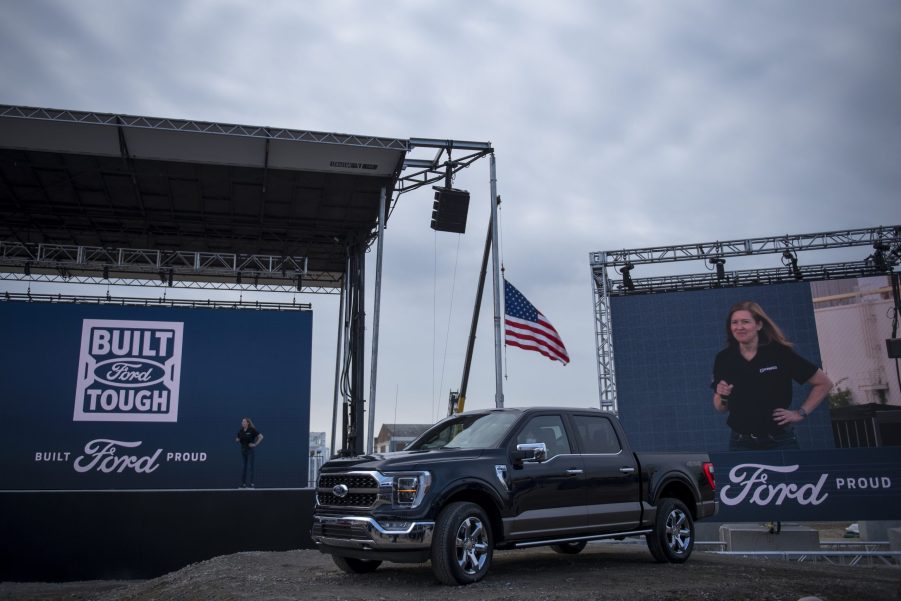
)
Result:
{"points": [[128, 371], [750, 482]]}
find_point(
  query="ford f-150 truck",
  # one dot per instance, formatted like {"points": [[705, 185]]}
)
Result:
{"points": [[506, 479]]}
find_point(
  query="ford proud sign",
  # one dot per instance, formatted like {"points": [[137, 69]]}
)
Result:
{"points": [[128, 371]]}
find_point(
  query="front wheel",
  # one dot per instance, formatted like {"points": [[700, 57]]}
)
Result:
{"points": [[462, 544], [673, 537], [352, 565]]}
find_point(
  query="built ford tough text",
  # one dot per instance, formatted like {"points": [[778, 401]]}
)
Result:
{"points": [[507, 479]]}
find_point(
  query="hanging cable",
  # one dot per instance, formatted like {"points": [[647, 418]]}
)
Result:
{"points": [[450, 312], [434, 322], [895, 280]]}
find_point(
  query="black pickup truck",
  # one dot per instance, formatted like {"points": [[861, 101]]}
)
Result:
{"points": [[506, 479]]}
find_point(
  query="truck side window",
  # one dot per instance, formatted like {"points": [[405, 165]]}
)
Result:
{"points": [[597, 434], [549, 430]]}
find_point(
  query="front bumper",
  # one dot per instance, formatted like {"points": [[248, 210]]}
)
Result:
{"points": [[367, 534]]}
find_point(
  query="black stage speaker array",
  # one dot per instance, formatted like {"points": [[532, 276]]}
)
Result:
{"points": [[449, 210]]}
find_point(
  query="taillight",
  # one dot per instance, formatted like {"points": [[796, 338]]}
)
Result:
{"points": [[708, 471]]}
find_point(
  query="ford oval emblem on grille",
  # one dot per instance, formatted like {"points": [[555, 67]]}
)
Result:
{"points": [[340, 490]]}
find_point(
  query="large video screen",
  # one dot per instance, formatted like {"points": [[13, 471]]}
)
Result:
{"points": [[665, 347], [104, 397]]}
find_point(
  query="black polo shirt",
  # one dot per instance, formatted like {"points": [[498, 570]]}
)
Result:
{"points": [[245, 437], [760, 385]]}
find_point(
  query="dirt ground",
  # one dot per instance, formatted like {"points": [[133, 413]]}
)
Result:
{"points": [[603, 571]]}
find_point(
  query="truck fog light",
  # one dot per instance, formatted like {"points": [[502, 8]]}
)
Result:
{"points": [[395, 525]]}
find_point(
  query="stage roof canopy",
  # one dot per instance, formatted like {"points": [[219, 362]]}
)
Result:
{"points": [[134, 195]]}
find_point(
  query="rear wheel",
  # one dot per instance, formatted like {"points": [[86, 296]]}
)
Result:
{"points": [[352, 565], [462, 544], [570, 548], [673, 537]]}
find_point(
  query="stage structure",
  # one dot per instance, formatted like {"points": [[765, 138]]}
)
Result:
{"points": [[112, 200], [109, 199], [883, 257]]}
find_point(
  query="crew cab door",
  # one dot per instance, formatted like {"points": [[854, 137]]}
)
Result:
{"points": [[613, 485], [548, 495]]}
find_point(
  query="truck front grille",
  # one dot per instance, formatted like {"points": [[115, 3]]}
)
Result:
{"points": [[327, 497], [362, 490]]}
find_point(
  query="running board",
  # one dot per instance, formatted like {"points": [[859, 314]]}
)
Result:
{"points": [[575, 539]]}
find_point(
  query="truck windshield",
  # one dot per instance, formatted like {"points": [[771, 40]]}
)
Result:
{"points": [[480, 431]]}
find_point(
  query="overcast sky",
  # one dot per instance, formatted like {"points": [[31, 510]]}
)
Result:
{"points": [[615, 125]]}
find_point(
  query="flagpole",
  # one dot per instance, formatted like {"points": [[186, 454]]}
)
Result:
{"points": [[496, 271]]}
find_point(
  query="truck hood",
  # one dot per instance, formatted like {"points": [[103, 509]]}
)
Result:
{"points": [[400, 460]]}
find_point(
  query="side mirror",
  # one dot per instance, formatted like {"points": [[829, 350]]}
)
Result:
{"points": [[532, 452]]}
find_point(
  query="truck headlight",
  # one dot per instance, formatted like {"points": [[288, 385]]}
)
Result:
{"points": [[409, 488]]}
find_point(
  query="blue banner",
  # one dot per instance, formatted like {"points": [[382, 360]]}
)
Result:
{"points": [[103, 397], [845, 484]]}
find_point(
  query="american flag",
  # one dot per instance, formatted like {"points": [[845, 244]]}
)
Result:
{"points": [[526, 327]]}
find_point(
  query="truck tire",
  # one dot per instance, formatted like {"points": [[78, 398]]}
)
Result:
{"points": [[352, 565], [673, 537], [462, 545], [570, 548]]}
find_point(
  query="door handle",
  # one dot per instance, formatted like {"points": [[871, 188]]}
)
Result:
{"points": [[627, 470], [573, 471]]}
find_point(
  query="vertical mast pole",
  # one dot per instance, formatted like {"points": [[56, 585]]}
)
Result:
{"points": [[375, 321], [496, 272]]}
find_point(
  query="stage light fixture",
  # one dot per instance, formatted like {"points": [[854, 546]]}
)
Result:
{"points": [[170, 278], [720, 265], [238, 278], [27, 269], [628, 284], [299, 282], [105, 272], [790, 260], [877, 259]]}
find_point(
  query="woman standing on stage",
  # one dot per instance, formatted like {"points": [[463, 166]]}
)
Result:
{"points": [[249, 438]]}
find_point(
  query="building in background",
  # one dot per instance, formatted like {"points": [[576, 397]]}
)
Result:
{"points": [[395, 437], [854, 319], [319, 452]]}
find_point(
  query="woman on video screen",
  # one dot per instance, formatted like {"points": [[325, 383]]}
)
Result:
{"points": [[752, 380]]}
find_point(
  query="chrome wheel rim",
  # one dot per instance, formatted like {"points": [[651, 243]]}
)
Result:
{"points": [[472, 545], [678, 532]]}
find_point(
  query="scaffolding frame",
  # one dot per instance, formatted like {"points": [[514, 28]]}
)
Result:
{"points": [[886, 255]]}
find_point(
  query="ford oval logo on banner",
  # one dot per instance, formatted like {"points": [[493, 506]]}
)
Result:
{"points": [[128, 371]]}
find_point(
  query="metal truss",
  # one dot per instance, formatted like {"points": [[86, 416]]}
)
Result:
{"points": [[153, 302], [600, 285], [887, 236], [181, 284], [842, 558], [885, 241], [183, 269], [424, 172], [247, 131], [747, 277]]}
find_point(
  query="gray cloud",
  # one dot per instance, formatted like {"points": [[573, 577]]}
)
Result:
{"points": [[616, 125]]}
